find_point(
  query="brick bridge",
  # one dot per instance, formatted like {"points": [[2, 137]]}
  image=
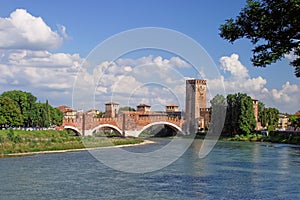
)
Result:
{"points": [[125, 123]]}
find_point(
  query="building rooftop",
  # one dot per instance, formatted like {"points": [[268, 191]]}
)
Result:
{"points": [[111, 103], [143, 105], [65, 109], [172, 105]]}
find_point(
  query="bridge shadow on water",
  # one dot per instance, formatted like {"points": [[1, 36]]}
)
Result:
{"points": [[159, 131], [161, 135]]}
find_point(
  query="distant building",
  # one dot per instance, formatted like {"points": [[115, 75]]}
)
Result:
{"points": [[297, 114], [144, 108], [93, 112], [111, 110], [283, 122], [68, 112], [172, 108]]}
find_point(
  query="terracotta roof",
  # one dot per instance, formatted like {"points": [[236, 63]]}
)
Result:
{"points": [[174, 105], [143, 105], [111, 103], [65, 109]]}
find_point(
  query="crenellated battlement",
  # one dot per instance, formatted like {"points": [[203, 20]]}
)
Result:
{"points": [[196, 81]]}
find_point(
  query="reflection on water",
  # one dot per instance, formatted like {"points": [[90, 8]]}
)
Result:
{"points": [[233, 170]]}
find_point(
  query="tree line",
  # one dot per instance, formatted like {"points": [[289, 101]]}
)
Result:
{"points": [[240, 118], [21, 109]]}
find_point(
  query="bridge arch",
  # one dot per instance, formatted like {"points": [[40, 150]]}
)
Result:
{"points": [[76, 130], [171, 125], [107, 126]]}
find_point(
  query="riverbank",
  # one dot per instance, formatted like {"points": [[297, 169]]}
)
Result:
{"points": [[16, 142], [145, 142], [284, 137]]}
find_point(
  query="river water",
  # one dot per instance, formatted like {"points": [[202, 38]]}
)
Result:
{"points": [[233, 170]]}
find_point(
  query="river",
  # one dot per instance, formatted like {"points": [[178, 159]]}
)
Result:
{"points": [[233, 170]]}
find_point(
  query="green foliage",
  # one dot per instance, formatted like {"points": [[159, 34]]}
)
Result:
{"points": [[18, 108], [240, 114], [17, 141], [290, 137], [9, 113], [248, 137], [100, 115], [218, 113], [106, 134], [2, 139], [247, 122], [271, 25], [56, 116], [12, 137], [268, 116], [294, 121], [25, 102], [127, 108]]}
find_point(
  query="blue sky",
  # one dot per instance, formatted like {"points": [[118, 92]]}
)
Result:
{"points": [[81, 25]]}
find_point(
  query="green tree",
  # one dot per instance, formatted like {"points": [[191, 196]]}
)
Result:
{"points": [[45, 115], [262, 114], [272, 116], [232, 114], [56, 116], [294, 121], [268, 117], [10, 114], [272, 26], [23, 104], [25, 101], [39, 115], [218, 113], [240, 114], [247, 122], [3, 121], [127, 108]]}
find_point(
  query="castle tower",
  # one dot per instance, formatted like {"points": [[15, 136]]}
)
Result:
{"points": [[195, 100], [111, 110]]}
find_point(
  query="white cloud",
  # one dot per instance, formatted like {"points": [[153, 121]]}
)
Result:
{"points": [[136, 80], [127, 68], [285, 93], [178, 62], [285, 99], [151, 80], [234, 66], [39, 59], [24, 31], [52, 74]]}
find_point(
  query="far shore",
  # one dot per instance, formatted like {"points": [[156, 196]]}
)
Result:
{"points": [[145, 142]]}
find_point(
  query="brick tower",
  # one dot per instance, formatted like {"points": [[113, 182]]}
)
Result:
{"points": [[195, 100]]}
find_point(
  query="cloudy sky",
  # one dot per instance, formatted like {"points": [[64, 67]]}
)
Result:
{"points": [[46, 45]]}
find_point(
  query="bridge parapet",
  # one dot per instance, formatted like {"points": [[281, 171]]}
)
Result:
{"points": [[126, 122]]}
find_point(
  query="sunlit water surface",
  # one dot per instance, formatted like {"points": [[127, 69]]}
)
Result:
{"points": [[233, 170]]}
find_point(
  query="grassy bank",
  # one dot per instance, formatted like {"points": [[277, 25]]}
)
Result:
{"points": [[18, 141], [250, 137], [274, 136]]}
